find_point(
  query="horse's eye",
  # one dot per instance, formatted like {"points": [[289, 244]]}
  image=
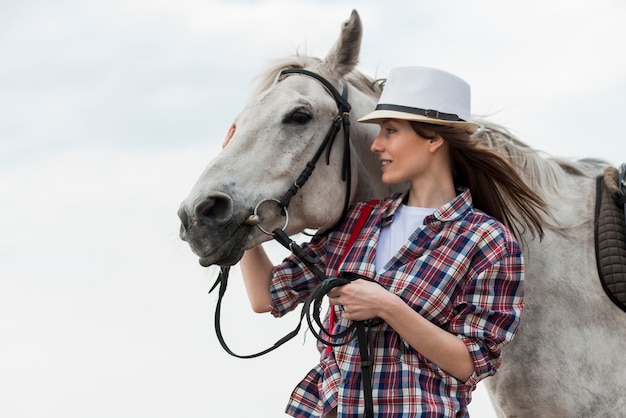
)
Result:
{"points": [[300, 117]]}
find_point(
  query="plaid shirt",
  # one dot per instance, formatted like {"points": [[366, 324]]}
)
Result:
{"points": [[462, 270]]}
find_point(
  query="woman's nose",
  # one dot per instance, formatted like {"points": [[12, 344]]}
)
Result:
{"points": [[376, 144]]}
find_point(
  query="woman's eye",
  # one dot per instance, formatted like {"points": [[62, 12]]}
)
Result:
{"points": [[299, 117]]}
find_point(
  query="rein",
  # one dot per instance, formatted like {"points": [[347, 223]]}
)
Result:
{"points": [[357, 329]]}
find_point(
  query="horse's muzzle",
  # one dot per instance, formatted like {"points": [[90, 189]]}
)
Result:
{"points": [[211, 230]]}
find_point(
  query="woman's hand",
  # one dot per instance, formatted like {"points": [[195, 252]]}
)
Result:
{"points": [[360, 299]]}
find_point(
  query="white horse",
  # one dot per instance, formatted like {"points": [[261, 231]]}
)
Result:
{"points": [[568, 359]]}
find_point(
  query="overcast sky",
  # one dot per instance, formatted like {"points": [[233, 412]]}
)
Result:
{"points": [[109, 110]]}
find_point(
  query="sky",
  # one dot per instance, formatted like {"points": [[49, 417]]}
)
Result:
{"points": [[109, 111]]}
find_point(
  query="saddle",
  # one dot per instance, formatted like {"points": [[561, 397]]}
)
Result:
{"points": [[610, 233]]}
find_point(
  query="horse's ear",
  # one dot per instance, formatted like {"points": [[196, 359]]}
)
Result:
{"points": [[344, 55]]}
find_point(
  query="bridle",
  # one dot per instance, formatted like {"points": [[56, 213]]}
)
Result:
{"points": [[342, 119], [357, 328]]}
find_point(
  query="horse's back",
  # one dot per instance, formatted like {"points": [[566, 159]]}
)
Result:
{"points": [[567, 359]]}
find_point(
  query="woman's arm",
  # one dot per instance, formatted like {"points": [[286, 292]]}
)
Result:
{"points": [[444, 349], [256, 269], [363, 300]]}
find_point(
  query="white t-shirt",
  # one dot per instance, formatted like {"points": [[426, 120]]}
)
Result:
{"points": [[393, 237]]}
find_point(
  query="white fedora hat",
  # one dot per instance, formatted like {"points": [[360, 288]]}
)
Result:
{"points": [[424, 94]]}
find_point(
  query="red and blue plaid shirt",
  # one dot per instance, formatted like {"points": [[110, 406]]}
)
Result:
{"points": [[462, 270]]}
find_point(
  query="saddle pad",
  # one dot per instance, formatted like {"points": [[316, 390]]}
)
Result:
{"points": [[610, 243]]}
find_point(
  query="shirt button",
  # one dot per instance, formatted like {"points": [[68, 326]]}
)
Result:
{"points": [[344, 380]]}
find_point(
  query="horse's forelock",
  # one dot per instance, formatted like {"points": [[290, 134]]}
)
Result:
{"points": [[268, 76]]}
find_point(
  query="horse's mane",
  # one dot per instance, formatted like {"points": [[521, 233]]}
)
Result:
{"points": [[549, 177], [542, 173], [267, 77]]}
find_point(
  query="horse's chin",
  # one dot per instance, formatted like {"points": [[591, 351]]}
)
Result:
{"points": [[225, 252], [230, 259]]}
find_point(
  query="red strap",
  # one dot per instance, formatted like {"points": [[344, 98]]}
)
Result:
{"points": [[358, 226]]}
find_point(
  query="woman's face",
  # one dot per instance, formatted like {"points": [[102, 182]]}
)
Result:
{"points": [[404, 155]]}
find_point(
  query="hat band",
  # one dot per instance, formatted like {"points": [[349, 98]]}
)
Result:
{"points": [[429, 113]]}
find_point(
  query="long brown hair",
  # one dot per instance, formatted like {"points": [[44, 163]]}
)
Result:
{"points": [[497, 188]]}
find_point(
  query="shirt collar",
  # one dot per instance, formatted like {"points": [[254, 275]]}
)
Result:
{"points": [[451, 211]]}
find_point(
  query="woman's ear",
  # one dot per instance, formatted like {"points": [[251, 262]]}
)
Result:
{"points": [[435, 143]]}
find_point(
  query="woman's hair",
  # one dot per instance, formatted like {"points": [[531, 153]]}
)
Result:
{"points": [[497, 189]]}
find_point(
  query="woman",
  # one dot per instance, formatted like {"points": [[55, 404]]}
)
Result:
{"points": [[446, 272]]}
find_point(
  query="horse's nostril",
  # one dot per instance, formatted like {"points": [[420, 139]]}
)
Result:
{"points": [[206, 209], [215, 209]]}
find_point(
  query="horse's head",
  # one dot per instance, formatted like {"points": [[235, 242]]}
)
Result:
{"points": [[280, 129]]}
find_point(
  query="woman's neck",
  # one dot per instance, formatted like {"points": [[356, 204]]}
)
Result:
{"points": [[431, 193]]}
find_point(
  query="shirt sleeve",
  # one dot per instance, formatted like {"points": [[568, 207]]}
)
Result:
{"points": [[490, 308], [292, 281]]}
